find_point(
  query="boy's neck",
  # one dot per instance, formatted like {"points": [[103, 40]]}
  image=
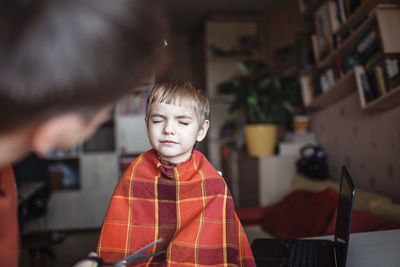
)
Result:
{"points": [[170, 163]]}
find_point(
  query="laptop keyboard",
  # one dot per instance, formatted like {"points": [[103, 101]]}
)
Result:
{"points": [[299, 254]]}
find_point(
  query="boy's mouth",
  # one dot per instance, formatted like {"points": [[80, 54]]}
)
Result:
{"points": [[168, 142]]}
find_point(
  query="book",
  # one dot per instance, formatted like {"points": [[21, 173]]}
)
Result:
{"points": [[339, 67], [380, 80], [314, 42], [366, 41], [307, 89], [333, 16], [373, 59], [342, 11], [325, 26], [392, 67], [373, 83], [364, 90]]}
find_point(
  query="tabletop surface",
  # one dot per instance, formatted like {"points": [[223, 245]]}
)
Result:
{"points": [[380, 248]]}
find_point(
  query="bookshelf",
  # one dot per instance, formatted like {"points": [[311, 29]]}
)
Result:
{"points": [[341, 89], [386, 102], [360, 14], [367, 60]]}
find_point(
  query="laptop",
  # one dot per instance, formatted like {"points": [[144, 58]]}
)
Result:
{"points": [[270, 252]]}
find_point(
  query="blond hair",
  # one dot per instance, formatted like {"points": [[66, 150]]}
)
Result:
{"points": [[181, 93]]}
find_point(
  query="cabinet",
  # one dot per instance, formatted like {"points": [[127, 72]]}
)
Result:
{"points": [[263, 180], [227, 41], [364, 57]]}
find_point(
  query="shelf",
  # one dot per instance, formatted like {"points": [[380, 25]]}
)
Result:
{"points": [[360, 13], [388, 101], [346, 45], [342, 88]]}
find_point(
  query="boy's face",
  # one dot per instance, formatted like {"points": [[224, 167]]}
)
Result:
{"points": [[173, 131]]}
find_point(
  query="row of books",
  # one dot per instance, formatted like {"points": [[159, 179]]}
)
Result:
{"points": [[133, 104], [372, 82], [344, 7], [377, 80], [328, 19], [367, 52]]}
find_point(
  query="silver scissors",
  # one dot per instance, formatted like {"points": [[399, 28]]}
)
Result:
{"points": [[134, 257]]}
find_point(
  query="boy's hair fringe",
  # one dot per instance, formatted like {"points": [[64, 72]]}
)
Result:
{"points": [[181, 93]]}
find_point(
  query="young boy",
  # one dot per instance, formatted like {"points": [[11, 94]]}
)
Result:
{"points": [[172, 192]]}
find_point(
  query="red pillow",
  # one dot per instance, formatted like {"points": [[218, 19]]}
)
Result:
{"points": [[362, 221], [248, 216], [302, 213]]}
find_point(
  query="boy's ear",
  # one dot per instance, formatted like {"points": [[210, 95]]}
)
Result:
{"points": [[146, 122], [62, 131], [203, 131]]}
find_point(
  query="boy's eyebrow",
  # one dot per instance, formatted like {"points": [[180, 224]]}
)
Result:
{"points": [[183, 117], [177, 117]]}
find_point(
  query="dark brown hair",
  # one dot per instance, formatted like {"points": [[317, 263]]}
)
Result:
{"points": [[73, 55]]}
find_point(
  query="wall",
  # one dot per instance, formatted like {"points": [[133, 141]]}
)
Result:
{"points": [[367, 143], [283, 23], [180, 67]]}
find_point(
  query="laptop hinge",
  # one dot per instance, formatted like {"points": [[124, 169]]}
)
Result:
{"points": [[335, 256]]}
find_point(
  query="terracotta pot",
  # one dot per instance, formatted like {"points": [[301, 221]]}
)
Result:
{"points": [[300, 123]]}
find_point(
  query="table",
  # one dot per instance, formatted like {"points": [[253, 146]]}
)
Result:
{"points": [[380, 248]]}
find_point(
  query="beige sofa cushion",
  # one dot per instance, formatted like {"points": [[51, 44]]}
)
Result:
{"points": [[385, 210], [362, 200]]}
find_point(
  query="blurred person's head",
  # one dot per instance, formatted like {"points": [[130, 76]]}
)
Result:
{"points": [[64, 63]]}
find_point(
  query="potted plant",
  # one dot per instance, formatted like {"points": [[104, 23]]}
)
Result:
{"points": [[267, 101]]}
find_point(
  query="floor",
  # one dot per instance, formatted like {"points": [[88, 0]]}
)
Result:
{"points": [[76, 245]]}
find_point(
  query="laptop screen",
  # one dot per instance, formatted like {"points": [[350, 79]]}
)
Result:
{"points": [[343, 221]]}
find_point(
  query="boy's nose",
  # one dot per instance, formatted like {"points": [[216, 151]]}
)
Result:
{"points": [[169, 129]]}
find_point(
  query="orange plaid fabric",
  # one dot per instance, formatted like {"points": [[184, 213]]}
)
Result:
{"points": [[188, 205]]}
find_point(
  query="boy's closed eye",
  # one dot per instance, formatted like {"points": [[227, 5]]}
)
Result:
{"points": [[185, 123], [156, 119]]}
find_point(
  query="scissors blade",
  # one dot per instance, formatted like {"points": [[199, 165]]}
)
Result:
{"points": [[137, 255]]}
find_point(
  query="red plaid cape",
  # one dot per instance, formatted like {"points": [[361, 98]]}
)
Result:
{"points": [[191, 208]]}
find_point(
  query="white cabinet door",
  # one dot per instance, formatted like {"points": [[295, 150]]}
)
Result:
{"points": [[84, 207], [131, 134]]}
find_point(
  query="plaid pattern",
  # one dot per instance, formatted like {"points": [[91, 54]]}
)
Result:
{"points": [[191, 210]]}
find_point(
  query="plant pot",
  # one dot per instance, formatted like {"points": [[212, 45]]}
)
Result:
{"points": [[261, 139], [300, 123]]}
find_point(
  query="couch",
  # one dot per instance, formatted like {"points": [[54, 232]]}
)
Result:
{"points": [[309, 209]]}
